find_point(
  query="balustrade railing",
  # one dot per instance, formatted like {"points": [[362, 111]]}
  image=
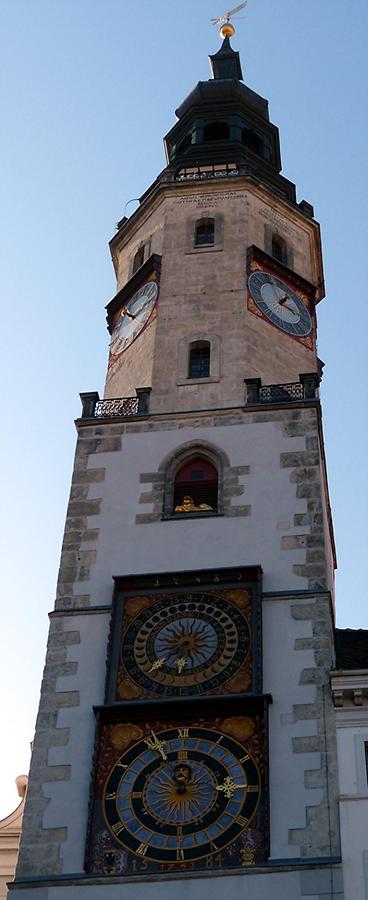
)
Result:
{"points": [[305, 389], [278, 393], [200, 173], [256, 395], [117, 407], [122, 406]]}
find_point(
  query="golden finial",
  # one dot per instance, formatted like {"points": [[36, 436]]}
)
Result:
{"points": [[227, 30]]}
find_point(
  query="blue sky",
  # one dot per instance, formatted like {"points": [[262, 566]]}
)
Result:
{"points": [[89, 88]]}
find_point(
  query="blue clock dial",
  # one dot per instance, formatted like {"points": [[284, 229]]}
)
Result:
{"points": [[185, 645], [181, 794]]}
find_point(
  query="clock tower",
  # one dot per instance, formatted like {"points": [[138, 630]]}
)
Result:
{"points": [[185, 741]]}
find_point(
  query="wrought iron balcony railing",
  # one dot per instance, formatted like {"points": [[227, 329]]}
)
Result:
{"points": [[304, 389], [122, 406], [117, 407], [256, 395]]}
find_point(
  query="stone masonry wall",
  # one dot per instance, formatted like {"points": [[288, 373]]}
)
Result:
{"points": [[320, 835], [207, 286]]}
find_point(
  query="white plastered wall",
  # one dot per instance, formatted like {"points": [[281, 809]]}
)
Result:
{"points": [[352, 732], [126, 548]]}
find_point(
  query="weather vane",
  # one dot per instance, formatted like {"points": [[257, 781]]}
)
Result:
{"points": [[225, 18]]}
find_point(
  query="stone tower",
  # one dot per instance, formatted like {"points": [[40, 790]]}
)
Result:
{"points": [[185, 740]]}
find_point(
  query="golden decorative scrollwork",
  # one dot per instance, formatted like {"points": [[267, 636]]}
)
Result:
{"points": [[123, 735], [240, 727]]}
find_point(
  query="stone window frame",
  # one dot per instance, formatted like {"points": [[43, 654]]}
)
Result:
{"points": [[199, 356], [208, 224], [184, 345], [171, 466], [191, 225], [161, 493], [208, 487], [271, 232]]}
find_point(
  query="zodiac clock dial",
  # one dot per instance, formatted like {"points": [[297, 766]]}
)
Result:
{"points": [[181, 794], [280, 304], [184, 645], [133, 317]]}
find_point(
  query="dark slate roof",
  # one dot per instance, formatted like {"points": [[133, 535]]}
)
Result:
{"points": [[351, 648], [223, 91], [226, 62]]}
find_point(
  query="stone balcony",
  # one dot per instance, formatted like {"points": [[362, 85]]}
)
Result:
{"points": [[256, 394]]}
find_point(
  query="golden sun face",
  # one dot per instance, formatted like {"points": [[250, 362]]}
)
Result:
{"points": [[185, 641], [180, 794]]}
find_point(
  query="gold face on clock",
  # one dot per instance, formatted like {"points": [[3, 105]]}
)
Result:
{"points": [[179, 794], [133, 317], [186, 645]]}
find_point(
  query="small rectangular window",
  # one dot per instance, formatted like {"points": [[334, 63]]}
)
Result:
{"points": [[366, 759], [205, 233], [199, 360]]}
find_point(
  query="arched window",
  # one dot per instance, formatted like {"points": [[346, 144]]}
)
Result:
{"points": [[216, 131], [204, 233], [279, 248], [185, 143], [199, 359], [253, 141], [196, 487]]}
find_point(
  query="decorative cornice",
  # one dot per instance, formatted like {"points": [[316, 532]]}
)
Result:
{"points": [[349, 688]]}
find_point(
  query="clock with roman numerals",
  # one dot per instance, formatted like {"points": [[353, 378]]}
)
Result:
{"points": [[280, 304], [180, 795]]}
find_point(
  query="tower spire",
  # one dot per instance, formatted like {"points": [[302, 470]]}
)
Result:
{"points": [[225, 64]]}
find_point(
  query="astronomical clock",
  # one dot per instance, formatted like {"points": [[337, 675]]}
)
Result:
{"points": [[181, 768], [280, 297], [185, 635]]}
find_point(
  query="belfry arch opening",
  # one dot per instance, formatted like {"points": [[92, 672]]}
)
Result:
{"points": [[216, 131]]}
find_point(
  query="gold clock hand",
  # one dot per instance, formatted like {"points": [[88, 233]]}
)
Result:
{"points": [[156, 745], [125, 312], [180, 664], [229, 787], [157, 664]]}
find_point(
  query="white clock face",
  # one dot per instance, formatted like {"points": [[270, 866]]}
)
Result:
{"points": [[280, 304], [133, 317]]}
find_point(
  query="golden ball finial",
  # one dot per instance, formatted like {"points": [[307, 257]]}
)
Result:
{"points": [[227, 30]]}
